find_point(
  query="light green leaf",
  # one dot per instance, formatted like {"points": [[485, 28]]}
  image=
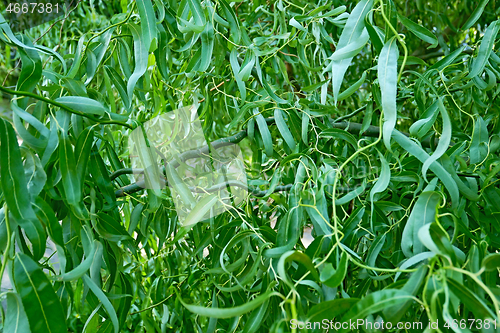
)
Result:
{"points": [[207, 47], [479, 143], [424, 212], [444, 140], [15, 319], [229, 312], [83, 104], [199, 211], [383, 179], [334, 277], [491, 262], [387, 78], [283, 128], [354, 32]]}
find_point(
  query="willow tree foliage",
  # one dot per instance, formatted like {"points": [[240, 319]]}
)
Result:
{"points": [[369, 132]]}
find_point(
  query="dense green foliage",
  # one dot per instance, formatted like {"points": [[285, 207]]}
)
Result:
{"points": [[373, 126]]}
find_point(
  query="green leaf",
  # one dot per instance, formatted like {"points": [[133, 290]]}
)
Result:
{"points": [[14, 186], [470, 299], [83, 104], [352, 194], [71, 183], [424, 212], [82, 153], [255, 320], [84, 266], [375, 302], [207, 47], [148, 22], [330, 309], [436, 239], [412, 286], [340, 134], [387, 77], [46, 215], [234, 25], [421, 127], [141, 48], [354, 32], [383, 179], [266, 85], [476, 14], [444, 140], [229, 312], [31, 71], [435, 167], [419, 31], [334, 277], [119, 84], [110, 228], [41, 304], [479, 142], [15, 319], [199, 211], [352, 89], [235, 66], [298, 257], [283, 128], [104, 300], [485, 49], [491, 262], [265, 134], [75, 67]]}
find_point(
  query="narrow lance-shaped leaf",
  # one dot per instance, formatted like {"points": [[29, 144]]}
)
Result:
{"points": [[207, 47], [424, 212], [41, 304], [199, 211], [15, 319], [354, 32], [419, 31], [485, 49], [31, 71], [444, 140], [140, 56], [266, 135], [387, 70], [104, 300], [229, 312], [334, 277], [479, 143], [83, 104], [14, 186], [71, 183], [476, 14], [417, 151], [148, 22], [374, 302], [283, 128]]}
